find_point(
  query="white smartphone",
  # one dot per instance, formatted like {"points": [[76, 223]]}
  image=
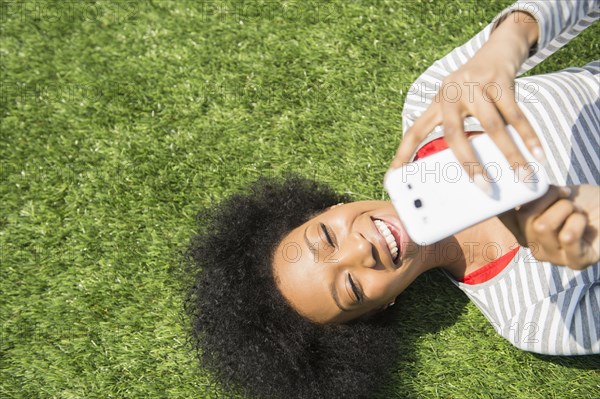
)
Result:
{"points": [[435, 197]]}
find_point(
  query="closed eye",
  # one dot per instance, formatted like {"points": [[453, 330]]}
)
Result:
{"points": [[355, 289], [327, 234]]}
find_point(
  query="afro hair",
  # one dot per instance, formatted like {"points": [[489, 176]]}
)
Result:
{"points": [[243, 329]]}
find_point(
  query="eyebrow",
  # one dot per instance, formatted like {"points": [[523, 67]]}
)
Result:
{"points": [[332, 287]]}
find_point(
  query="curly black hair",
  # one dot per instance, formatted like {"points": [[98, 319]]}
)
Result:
{"points": [[245, 332]]}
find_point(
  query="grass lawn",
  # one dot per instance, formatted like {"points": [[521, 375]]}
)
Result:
{"points": [[120, 120]]}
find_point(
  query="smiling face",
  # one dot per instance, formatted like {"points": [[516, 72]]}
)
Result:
{"points": [[350, 261]]}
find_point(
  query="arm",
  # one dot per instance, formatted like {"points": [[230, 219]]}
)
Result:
{"points": [[572, 17], [483, 87], [557, 23]]}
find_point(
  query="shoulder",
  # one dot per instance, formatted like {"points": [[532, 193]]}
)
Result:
{"points": [[543, 308]]}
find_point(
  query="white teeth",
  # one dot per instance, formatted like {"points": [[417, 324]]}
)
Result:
{"points": [[389, 237]]}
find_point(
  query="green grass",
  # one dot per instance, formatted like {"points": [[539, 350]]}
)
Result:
{"points": [[119, 121]]}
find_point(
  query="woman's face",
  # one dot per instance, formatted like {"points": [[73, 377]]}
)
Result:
{"points": [[350, 261]]}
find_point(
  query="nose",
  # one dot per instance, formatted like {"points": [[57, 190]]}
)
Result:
{"points": [[360, 251]]}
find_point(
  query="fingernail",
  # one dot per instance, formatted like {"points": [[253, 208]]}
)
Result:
{"points": [[483, 184], [538, 153]]}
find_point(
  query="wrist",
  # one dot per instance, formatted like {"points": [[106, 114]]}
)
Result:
{"points": [[522, 23], [514, 37]]}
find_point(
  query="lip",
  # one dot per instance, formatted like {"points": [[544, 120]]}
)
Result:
{"points": [[399, 234]]}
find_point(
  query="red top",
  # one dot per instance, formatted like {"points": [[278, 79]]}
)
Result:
{"points": [[493, 268], [490, 270], [432, 147]]}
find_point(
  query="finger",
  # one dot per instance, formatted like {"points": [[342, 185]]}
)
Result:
{"points": [[553, 218], [514, 116], [459, 143], [494, 125], [517, 220], [415, 135], [538, 206], [527, 214], [577, 251], [545, 231]]}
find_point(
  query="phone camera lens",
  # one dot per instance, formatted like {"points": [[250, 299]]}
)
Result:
{"points": [[418, 203]]}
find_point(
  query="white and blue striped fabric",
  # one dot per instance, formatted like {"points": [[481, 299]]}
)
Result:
{"points": [[537, 306]]}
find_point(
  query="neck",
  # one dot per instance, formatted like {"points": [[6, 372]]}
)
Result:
{"points": [[471, 249]]}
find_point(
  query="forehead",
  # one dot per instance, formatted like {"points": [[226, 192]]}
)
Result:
{"points": [[302, 275]]}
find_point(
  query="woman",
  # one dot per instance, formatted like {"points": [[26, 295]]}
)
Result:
{"points": [[292, 278]]}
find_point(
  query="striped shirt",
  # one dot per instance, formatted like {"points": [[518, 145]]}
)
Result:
{"points": [[538, 306]]}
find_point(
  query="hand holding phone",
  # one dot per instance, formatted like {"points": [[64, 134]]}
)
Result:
{"points": [[435, 197], [562, 226]]}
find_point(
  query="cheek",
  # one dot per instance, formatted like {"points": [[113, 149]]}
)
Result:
{"points": [[379, 287]]}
